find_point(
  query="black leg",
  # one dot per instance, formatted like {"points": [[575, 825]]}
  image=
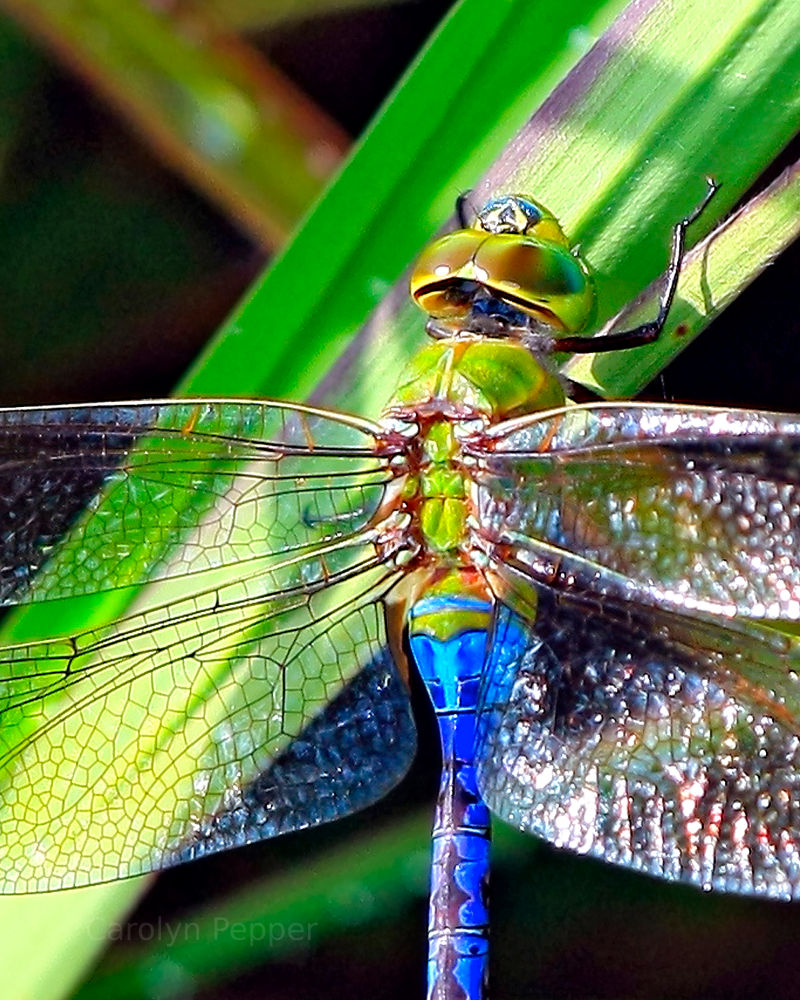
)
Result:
{"points": [[647, 332], [462, 206]]}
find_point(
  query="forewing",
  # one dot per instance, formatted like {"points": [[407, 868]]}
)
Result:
{"points": [[174, 732], [649, 740], [687, 506], [150, 472]]}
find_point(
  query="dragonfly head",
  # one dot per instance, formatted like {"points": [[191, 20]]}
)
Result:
{"points": [[511, 271]]}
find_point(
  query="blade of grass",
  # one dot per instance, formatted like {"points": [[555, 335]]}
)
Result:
{"points": [[451, 116], [618, 151]]}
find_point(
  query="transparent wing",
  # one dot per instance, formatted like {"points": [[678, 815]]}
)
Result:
{"points": [[647, 739], [685, 506], [174, 732], [162, 467]]}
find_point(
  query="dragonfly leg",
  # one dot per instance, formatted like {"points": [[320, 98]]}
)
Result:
{"points": [[650, 331], [462, 206]]}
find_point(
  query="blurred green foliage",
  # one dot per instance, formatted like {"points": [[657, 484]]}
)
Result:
{"points": [[94, 229]]}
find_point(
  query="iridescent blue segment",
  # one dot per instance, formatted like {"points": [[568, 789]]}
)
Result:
{"points": [[458, 925]]}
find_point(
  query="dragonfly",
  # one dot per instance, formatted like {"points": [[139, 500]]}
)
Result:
{"points": [[589, 591]]}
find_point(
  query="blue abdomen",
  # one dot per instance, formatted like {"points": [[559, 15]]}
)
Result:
{"points": [[447, 635]]}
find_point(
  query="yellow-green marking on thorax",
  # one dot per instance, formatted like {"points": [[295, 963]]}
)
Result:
{"points": [[497, 378]]}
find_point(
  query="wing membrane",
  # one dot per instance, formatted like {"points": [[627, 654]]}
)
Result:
{"points": [[692, 507], [125, 748], [662, 743], [152, 471]]}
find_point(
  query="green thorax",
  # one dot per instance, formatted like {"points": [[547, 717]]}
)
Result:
{"points": [[495, 378], [451, 380]]}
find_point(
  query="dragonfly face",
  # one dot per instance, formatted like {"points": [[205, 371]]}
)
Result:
{"points": [[512, 268], [585, 589]]}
